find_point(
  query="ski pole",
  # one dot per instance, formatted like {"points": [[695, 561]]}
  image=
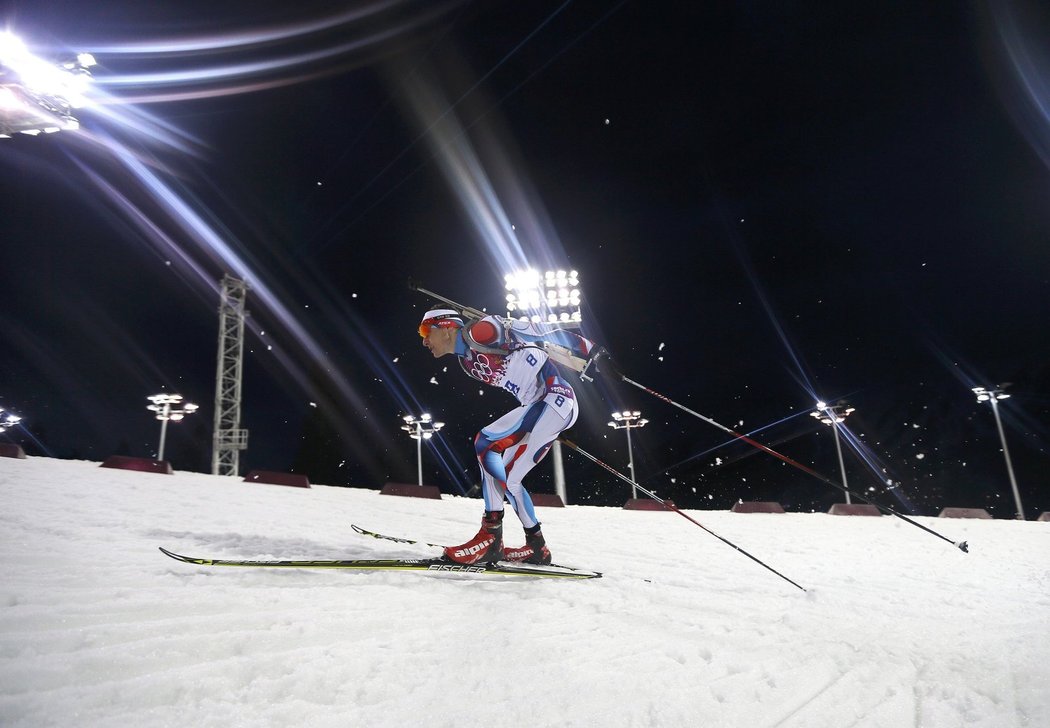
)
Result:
{"points": [[671, 506], [961, 545]]}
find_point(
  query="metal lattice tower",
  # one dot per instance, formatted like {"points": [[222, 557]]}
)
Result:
{"points": [[229, 438]]}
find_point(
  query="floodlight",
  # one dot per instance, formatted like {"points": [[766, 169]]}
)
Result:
{"points": [[833, 415], [522, 280], [168, 407], [8, 420], [553, 297], [629, 420], [38, 95], [994, 396], [419, 429]]}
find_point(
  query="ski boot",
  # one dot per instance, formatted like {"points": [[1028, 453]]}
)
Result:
{"points": [[486, 546], [534, 551]]}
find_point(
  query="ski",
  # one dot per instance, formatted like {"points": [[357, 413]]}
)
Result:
{"points": [[439, 565], [397, 539]]}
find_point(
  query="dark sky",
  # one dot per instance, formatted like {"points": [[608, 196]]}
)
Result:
{"points": [[766, 202]]}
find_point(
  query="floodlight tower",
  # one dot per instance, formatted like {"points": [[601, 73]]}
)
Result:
{"points": [[419, 429], [993, 396], [229, 438], [553, 299], [630, 420], [169, 407], [833, 414]]}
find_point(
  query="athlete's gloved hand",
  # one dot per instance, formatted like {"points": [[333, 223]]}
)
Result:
{"points": [[600, 361]]}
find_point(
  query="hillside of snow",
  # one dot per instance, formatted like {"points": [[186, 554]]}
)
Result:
{"points": [[897, 628]]}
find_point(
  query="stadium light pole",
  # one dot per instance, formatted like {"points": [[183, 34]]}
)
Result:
{"points": [[833, 414], [169, 407], [554, 299], [419, 429], [629, 420], [993, 396]]}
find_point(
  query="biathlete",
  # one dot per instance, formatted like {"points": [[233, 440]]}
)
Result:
{"points": [[514, 356]]}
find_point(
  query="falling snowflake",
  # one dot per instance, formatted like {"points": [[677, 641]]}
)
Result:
{"points": [[433, 380]]}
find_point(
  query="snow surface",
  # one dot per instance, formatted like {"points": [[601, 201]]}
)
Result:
{"points": [[898, 628]]}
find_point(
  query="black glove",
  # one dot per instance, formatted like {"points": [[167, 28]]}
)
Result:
{"points": [[600, 361]]}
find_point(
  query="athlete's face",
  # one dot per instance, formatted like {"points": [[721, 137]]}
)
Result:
{"points": [[440, 341]]}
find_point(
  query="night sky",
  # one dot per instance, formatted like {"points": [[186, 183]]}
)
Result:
{"points": [[767, 203]]}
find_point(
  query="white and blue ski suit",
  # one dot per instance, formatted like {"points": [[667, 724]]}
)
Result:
{"points": [[510, 355]]}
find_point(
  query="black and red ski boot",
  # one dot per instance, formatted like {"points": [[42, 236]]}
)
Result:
{"points": [[534, 551]]}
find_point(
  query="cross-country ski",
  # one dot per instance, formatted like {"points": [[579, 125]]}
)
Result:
{"points": [[509, 552], [431, 566]]}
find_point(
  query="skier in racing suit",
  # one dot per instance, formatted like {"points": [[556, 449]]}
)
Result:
{"points": [[510, 355]]}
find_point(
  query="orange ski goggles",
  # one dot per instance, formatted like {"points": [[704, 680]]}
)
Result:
{"points": [[441, 323]]}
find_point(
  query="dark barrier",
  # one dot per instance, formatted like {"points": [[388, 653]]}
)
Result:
{"points": [[295, 480], [143, 465], [645, 504], [412, 491], [854, 509], [11, 450], [964, 513], [757, 507], [547, 500]]}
